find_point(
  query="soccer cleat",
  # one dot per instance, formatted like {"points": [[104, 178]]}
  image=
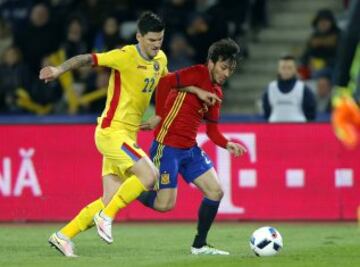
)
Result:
{"points": [[103, 224], [62, 244], [208, 250]]}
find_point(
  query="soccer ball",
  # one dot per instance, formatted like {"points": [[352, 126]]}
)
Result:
{"points": [[266, 241]]}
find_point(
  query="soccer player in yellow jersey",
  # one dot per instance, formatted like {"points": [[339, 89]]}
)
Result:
{"points": [[127, 171]]}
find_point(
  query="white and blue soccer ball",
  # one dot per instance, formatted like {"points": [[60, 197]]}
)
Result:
{"points": [[266, 241]]}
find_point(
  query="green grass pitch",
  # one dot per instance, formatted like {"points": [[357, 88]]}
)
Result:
{"points": [[167, 244]]}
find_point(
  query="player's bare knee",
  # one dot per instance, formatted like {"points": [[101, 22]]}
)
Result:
{"points": [[215, 194], [220, 193], [153, 177], [171, 206], [164, 204], [149, 179], [164, 207], [147, 182]]}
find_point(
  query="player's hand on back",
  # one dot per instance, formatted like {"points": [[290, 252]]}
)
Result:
{"points": [[236, 149], [208, 98], [151, 123], [49, 73]]}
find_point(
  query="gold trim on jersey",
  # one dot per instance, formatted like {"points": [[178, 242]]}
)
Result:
{"points": [[171, 116], [158, 155]]}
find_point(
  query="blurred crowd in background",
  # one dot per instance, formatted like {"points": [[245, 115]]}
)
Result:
{"points": [[38, 33]]}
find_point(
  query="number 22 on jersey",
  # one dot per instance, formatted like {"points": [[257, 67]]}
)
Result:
{"points": [[149, 85]]}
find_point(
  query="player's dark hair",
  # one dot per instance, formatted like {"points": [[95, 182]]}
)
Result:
{"points": [[224, 49], [287, 57], [150, 22]]}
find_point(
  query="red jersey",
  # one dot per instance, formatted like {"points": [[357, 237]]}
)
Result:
{"points": [[182, 113]]}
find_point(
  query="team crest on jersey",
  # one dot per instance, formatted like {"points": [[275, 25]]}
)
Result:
{"points": [[156, 66], [165, 178]]}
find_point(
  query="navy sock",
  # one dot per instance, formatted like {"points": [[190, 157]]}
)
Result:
{"points": [[147, 198], [207, 213]]}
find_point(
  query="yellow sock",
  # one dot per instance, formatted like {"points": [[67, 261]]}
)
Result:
{"points": [[83, 220], [127, 193]]}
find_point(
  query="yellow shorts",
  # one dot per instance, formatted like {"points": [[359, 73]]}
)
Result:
{"points": [[119, 149]]}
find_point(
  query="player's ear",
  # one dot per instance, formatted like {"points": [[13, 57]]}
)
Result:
{"points": [[138, 36], [211, 64]]}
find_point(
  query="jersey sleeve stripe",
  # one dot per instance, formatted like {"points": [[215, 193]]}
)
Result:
{"points": [[171, 116], [106, 122]]}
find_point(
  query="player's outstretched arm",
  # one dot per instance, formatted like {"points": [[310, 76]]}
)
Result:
{"points": [[50, 73], [219, 139]]}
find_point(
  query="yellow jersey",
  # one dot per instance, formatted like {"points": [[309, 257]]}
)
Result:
{"points": [[132, 81]]}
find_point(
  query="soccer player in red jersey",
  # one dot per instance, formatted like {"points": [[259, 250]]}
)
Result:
{"points": [[174, 150]]}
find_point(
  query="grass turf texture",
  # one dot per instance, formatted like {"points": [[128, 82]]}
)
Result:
{"points": [[168, 244]]}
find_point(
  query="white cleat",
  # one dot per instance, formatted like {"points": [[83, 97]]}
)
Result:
{"points": [[62, 244], [208, 250], [103, 225]]}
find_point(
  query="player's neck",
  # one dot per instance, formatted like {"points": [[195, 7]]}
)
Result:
{"points": [[142, 53]]}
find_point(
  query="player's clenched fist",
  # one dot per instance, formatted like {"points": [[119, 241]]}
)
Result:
{"points": [[49, 73], [235, 149]]}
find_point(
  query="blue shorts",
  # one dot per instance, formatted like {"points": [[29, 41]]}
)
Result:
{"points": [[190, 163]]}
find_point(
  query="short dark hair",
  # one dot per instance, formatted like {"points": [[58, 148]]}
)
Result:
{"points": [[224, 49], [287, 57], [150, 22]]}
